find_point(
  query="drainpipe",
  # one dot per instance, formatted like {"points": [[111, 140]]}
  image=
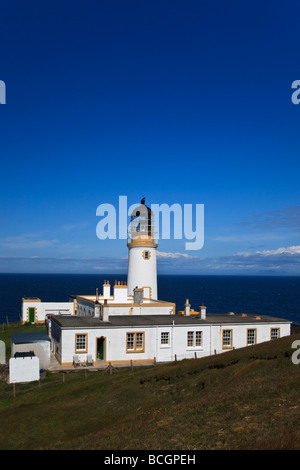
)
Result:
{"points": [[172, 341], [156, 344]]}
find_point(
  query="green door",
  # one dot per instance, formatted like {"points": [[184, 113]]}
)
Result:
{"points": [[100, 348], [31, 315]]}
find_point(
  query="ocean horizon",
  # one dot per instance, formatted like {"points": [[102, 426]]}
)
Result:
{"points": [[278, 296]]}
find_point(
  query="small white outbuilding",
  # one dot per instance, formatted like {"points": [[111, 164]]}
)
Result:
{"points": [[37, 342], [25, 368]]}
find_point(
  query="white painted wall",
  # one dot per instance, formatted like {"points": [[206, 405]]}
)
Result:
{"points": [[44, 308], [211, 341], [142, 272], [41, 350], [25, 369], [144, 309], [85, 308], [120, 294], [239, 334]]}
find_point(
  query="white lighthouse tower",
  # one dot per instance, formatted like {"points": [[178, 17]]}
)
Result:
{"points": [[142, 271]]}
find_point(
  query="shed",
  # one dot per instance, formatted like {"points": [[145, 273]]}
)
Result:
{"points": [[24, 369], [36, 342]]}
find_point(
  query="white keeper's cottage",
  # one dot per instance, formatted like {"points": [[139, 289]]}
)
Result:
{"points": [[126, 322]]}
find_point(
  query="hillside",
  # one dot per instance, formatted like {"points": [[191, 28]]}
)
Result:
{"points": [[242, 399]]}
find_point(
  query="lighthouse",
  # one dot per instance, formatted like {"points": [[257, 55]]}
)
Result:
{"points": [[142, 270]]}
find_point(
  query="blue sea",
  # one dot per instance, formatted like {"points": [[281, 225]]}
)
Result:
{"points": [[275, 296]]}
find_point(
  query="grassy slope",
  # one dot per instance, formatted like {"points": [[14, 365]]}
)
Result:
{"points": [[242, 399]]}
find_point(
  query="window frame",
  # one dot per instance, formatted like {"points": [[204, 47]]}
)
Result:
{"points": [[227, 346], [146, 254], [135, 336], [198, 333], [278, 330], [167, 336], [255, 336], [192, 340], [81, 351]]}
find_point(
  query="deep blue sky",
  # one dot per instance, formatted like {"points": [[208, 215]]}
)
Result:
{"points": [[179, 101]]}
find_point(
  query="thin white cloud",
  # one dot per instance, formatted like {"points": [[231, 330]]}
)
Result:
{"points": [[254, 237], [75, 226], [290, 250], [162, 254], [27, 241], [283, 261], [285, 218]]}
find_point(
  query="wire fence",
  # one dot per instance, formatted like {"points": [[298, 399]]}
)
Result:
{"points": [[50, 379]]}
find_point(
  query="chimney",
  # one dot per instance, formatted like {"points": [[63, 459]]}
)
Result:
{"points": [[138, 295], [202, 311], [97, 310], [120, 293], [106, 290], [187, 308], [105, 311]]}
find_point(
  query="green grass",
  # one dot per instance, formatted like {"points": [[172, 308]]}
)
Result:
{"points": [[242, 399]]}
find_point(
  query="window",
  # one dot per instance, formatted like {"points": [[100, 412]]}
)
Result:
{"points": [[198, 338], [80, 343], [194, 339], [251, 337], [139, 341], [146, 254], [190, 339], [274, 333], [135, 342], [164, 338], [130, 341], [227, 339]]}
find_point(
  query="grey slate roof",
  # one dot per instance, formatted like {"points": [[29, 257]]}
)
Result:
{"points": [[30, 337], [74, 321]]}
